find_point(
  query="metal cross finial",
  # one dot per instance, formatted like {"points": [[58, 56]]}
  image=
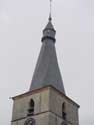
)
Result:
{"points": [[50, 15]]}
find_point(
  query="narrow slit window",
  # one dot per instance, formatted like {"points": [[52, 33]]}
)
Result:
{"points": [[64, 115], [31, 108]]}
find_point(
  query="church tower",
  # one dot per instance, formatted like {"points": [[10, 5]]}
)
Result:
{"points": [[46, 102]]}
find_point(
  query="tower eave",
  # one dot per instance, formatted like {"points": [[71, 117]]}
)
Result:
{"points": [[44, 89]]}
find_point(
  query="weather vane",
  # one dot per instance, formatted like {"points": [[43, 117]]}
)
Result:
{"points": [[50, 15]]}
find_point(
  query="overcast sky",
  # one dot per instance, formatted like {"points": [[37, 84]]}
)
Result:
{"points": [[21, 25]]}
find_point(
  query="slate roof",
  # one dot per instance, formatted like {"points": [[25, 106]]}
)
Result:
{"points": [[47, 70], [49, 26]]}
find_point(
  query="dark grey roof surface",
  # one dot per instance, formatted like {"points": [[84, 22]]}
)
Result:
{"points": [[49, 26], [47, 70]]}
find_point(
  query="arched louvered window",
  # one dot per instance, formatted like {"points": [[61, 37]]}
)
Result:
{"points": [[64, 115], [31, 108]]}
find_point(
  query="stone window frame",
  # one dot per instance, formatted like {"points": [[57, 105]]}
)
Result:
{"points": [[64, 114]]}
